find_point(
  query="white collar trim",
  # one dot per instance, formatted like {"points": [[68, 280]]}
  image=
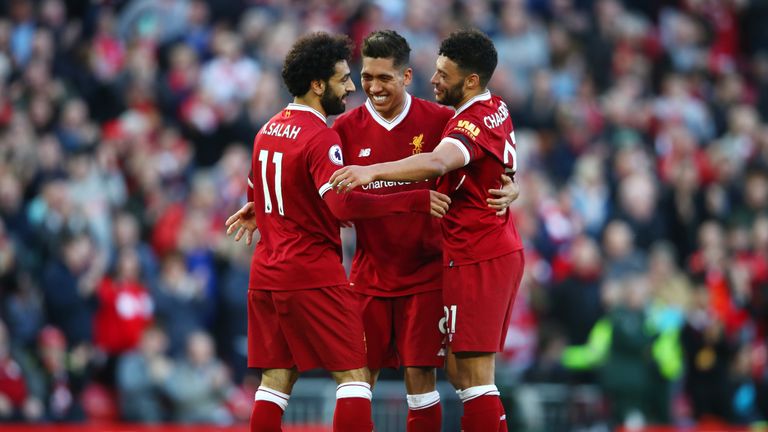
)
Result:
{"points": [[389, 124], [484, 96], [301, 107]]}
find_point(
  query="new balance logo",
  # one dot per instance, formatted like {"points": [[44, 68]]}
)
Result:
{"points": [[364, 152]]}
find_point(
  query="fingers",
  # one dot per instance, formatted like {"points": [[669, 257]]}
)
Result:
{"points": [[232, 225], [437, 211], [337, 177], [440, 196], [502, 198], [245, 232], [231, 222], [345, 185], [240, 232], [498, 203], [497, 192], [239, 215], [348, 178], [439, 204]]}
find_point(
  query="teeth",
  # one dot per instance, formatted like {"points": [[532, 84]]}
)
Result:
{"points": [[379, 98]]}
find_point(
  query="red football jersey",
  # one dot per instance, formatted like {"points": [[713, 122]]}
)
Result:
{"points": [[482, 130], [400, 254], [294, 155]]}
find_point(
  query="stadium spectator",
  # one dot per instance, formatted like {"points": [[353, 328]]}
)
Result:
{"points": [[198, 384], [140, 379]]}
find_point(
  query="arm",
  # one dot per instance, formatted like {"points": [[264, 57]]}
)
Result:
{"points": [[357, 205], [446, 157]]}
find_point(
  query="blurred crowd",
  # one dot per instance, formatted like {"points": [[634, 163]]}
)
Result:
{"points": [[125, 133]]}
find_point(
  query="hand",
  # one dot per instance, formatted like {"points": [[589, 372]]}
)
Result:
{"points": [[439, 203], [244, 222], [506, 195], [350, 177]]}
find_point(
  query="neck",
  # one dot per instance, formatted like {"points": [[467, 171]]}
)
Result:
{"points": [[395, 112], [467, 96], [312, 102]]}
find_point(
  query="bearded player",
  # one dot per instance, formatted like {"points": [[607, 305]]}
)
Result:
{"points": [[482, 254], [301, 312], [397, 268]]}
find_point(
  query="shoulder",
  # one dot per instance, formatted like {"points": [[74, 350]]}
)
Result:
{"points": [[325, 136], [326, 141]]}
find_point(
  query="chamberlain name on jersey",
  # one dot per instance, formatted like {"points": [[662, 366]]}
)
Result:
{"points": [[400, 254]]}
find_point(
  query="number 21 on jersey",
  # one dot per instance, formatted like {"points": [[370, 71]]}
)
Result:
{"points": [[277, 160]]}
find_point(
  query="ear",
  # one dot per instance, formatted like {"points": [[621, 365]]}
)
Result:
{"points": [[407, 76], [472, 81], [317, 87]]}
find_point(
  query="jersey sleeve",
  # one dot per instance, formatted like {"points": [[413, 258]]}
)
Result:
{"points": [[463, 132], [324, 157], [356, 205]]}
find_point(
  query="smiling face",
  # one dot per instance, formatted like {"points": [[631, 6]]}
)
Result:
{"points": [[384, 84], [338, 86], [448, 82]]}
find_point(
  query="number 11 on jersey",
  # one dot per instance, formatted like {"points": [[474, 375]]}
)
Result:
{"points": [[277, 159]]}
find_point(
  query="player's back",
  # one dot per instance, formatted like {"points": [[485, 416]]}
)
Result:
{"points": [[397, 254], [294, 155], [472, 231]]}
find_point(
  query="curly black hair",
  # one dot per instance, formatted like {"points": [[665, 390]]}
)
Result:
{"points": [[387, 44], [313, 57], [473, 51]]}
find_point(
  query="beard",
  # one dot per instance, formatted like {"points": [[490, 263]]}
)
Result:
{"points": [[331, 103], [452, 95]]}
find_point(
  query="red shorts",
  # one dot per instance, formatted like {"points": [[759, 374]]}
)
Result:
{"points": [[403, 331], [306, 329], [477, 302]]}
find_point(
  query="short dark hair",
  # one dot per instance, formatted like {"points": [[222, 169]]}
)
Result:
{"points": [[313, 57], [387, 44], [473, 51]]}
